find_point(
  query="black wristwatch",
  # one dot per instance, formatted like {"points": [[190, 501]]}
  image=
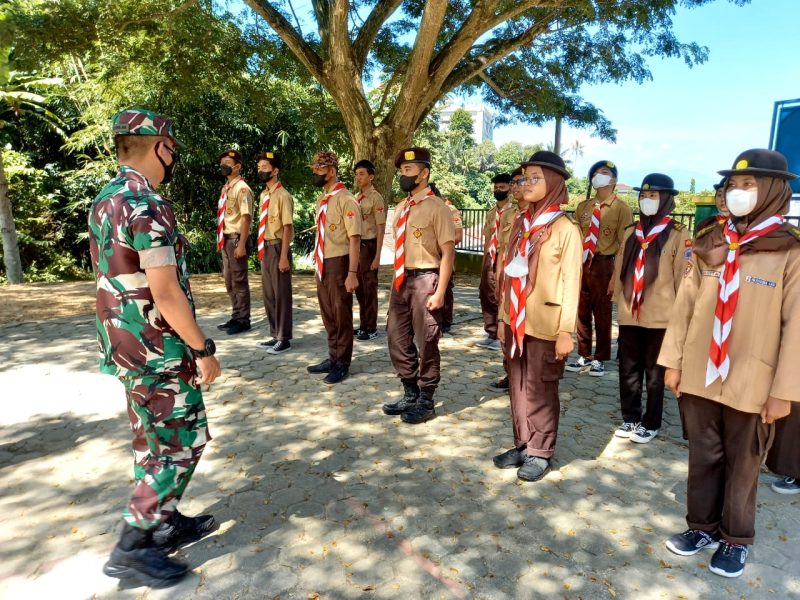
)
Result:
{"points": [[209, 348]]}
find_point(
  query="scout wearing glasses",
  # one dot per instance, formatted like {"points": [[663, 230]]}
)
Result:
{"points": [[424, 253], [541, 282], [731, 352]]}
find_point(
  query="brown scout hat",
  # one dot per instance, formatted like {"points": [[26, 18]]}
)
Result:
{"points": [[421, 156]]}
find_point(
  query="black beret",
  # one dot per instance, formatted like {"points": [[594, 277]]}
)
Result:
{"points": [[413, 155], [234, 154], [365, 164], [271, 158], [502, 178]]}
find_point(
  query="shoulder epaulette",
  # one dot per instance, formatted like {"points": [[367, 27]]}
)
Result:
{"points": [[705, 230], [631, 225], [678, 226], [795, 231]]}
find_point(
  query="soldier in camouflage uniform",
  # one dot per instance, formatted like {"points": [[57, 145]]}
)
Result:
{"points": [[149, 339]]}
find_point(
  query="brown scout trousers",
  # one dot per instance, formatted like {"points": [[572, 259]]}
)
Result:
{"points": [[409, 321], [277, 289], [449, 301], [487, 292], [595, 302], [784, 456], [726, 448], [235, 272], [533, 385], [336, 308], [367, 290]]}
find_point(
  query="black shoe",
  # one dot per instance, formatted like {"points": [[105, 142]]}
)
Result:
{"points": [[365, 336], [405, 403], [280, 347], [324, 367], [423, 409], [338, 373], [268, 344], [357, 332], [181, 530], [136, 558], [511, 458], [238, 327], [534, 468], [691, 541], [224, 326], [500, 386], [446, 327], [728, 560]]}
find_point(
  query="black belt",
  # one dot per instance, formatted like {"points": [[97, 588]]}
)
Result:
{"points": [[273, 242], [372, 241], [603, 257], [416, 272], [231, 236]]}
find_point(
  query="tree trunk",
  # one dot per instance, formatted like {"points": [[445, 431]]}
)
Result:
{"points": [[380, 145], [557, 141], [8, 231]]}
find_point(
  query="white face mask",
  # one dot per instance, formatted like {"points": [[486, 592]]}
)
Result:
{"points": [[648, 206], [741, 202], [600, 180]]}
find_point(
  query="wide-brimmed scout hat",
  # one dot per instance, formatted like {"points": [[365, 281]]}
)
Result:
{"points": [[550, 160], [760, 162], [657, 182]]}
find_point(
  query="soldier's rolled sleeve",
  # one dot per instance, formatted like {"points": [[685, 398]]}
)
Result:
{"points": [[162, 256]]}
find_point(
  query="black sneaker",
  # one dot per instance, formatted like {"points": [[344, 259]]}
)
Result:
{"points": [[728, 560], [534, 468], [365, 336], [338, 373], [324, 367], [500, 386], [181, 530], [357, 332], [280, 347], [238, 327], [511, 458], [224, 326], [446, 327], [691, 542], [268, 344]]}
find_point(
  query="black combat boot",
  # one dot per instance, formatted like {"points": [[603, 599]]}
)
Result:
{"points": [[137, 558], [423, 410], [179, 530], [405, 403]]}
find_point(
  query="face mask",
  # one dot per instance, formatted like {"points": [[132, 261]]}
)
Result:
{"points": [[408, 182], [169, 170], [648, 206], [600, 180], [741, 202], [499, 195], [318, 180], [226, 170], [264, 176]]}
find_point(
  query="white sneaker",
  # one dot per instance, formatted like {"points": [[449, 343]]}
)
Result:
{"points": [[582, 364], [596, 369], [625, 430], [641, 435], [484, 343]]}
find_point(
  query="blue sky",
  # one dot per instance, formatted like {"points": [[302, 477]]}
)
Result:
{"points": [[692, 122]]}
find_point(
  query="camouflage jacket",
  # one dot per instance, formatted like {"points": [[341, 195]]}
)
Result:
{"points": [[127, 217]]}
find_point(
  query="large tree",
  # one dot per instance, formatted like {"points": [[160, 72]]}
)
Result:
{"points": [[526, 57]]}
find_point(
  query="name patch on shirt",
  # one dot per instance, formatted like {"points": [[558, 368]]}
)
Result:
{"points": [[759, 281], [711, 274]]}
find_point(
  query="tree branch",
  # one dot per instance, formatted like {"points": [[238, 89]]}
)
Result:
{"points": [[490, 82], [369, 31], [296, 20]]}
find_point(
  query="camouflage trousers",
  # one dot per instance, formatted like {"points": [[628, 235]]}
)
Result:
{"points": [[170, 431]]}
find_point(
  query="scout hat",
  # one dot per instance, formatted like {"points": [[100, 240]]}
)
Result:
{"points": [[760, 162], [502, 178], [599, 165], [272, 158], [549, 160], [325, 158], [230, 153], [421, 156], [657, 182], [722, 183], [138, 121], [365, 164]]}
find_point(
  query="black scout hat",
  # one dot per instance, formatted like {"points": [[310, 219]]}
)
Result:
{"points": [[502, 178], [722, 183], [272, 158], [599, 165], [365, 164], [234, 154], [760, 162], [657, 182], [421, 156], [549, 160]]}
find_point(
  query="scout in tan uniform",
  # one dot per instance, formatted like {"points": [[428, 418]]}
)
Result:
{"points": [[336, 252], [449, 298], [647, 275], [731, 352], [373, 228], [424, 254], [602, 220], [275, 232], [234, 218], [541, 279], [487, 289]]}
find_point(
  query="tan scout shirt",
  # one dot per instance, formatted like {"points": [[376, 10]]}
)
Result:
{"points": [[342, 221], [429, 227], [659, 295], [373, 213], [458, 222], [552, 305], [615, 216], [765, 336], [488, 225], [506, 224], [240, 202], [281, 212]]}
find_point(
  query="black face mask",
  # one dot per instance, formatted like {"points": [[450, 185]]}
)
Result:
{"points": [[264, 176], [318, 180], [169, 169], [226, 170], [408, 182], [500, 195]]}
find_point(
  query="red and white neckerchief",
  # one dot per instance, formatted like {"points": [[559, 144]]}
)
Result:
{"points": [[493, 241], [360, 198], [222, 206], [519, 279], [322, 212], [262, 220], [590, 241], [718, 361], [638, 271], [400, 240]]}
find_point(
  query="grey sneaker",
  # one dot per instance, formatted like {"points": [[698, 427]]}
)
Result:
{"points": [[641, 435], [596, 369], [582, 364], [485, 342], [534, 469], [625, 430], [495, 345], [787, 485]]}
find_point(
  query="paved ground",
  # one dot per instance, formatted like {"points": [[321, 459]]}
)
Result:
{"points": [[322, 496]]}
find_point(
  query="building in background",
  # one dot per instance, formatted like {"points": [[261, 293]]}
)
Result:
{"points": [[785, 138], [482, 119]]}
